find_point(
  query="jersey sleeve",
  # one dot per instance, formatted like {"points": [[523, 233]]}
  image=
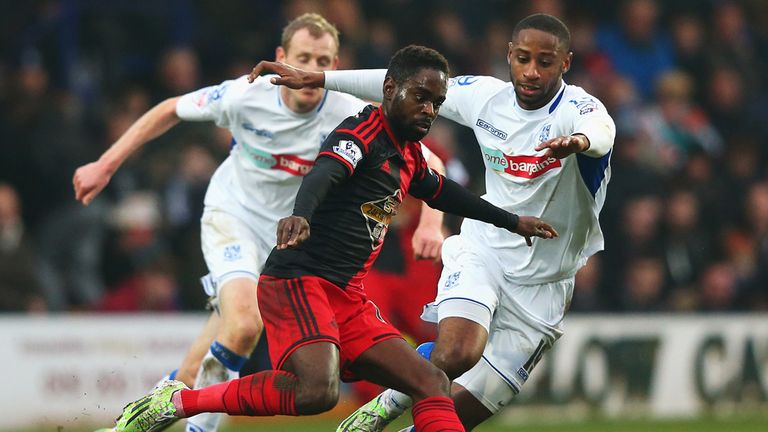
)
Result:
{"points": [[216, 103], [467, 95], [366, 84], [345, 148], [426, 183], [589, 117]]}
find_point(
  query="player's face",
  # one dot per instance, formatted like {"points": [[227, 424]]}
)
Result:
{"points": [[309, 53], [412, 106], [537, 63]]}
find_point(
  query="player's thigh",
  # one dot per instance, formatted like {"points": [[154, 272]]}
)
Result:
{"points": [[394, 364], [468, 287], [238, 306], [482, 386], [233, 247], [296, 312], [526, 325]]}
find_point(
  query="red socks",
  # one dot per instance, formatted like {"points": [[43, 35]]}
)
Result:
{"points": [[435, 414], [266, 393]]}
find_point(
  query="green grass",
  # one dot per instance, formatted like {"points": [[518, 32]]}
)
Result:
{"points": [[708, 424]]}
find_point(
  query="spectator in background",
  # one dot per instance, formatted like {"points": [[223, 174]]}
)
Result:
{"points": [[587, 291], [674, 126], [688, 37], [179, 72], [685, 247], [636, 47], [718, 288], [19, 285], [729, 105], [755, 291], [734, 44], [642, 287], [152, 288]]}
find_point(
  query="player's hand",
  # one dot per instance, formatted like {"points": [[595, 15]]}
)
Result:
{"points": [[563, 146], [89, 180], [292, 231], [289, 76], [427, 242], [530, 226]]}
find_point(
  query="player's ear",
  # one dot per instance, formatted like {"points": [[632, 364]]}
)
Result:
{"points": [[389, 88], [567, 62], [280, 54]]}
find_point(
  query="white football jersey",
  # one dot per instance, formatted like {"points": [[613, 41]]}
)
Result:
{"points": [[568, 193], [273, 147]]}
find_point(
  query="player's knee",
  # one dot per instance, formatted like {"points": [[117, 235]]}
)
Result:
{"points": [[317, 396], [456, 359], [433, 382], [247, 331]]}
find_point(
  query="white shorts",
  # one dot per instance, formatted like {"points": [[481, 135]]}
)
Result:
{"points": [[233, 248], [523, 321]]}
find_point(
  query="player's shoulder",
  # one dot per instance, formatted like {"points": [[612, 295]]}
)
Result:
{"points": [[579, 101], [259, 85], [339, 106], [477, 82], [369, 114]]}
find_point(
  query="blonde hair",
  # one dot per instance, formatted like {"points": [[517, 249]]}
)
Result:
{"points": [[314, 23]]}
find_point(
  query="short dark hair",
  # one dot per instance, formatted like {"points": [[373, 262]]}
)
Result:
{"points": [[409, 60], [545, 23]]}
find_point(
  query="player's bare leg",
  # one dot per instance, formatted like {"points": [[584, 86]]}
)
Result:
{"points": [[470, 410], [459, 345], [394, 364], [187, 372], [238, 331]]}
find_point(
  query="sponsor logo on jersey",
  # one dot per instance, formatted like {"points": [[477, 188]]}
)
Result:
{"points": [[544, 134], [519, 166], [452, 280], [288, 163], [378, 214], [463, 80], [258, 132], [232, 253], [209, 95], [522, 373], [585, 105], [498, 133], [349, 151]]}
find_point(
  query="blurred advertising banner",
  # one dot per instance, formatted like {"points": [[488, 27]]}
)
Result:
{"points": [[656, 364], [82, 369]]}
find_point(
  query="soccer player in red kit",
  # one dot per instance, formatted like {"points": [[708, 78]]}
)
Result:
{"points": [[320, 325]]}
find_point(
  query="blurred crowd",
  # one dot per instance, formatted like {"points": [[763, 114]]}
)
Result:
{"points": [[685, 221]]}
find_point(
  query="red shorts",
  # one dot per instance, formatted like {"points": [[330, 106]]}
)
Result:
{"points": [[309, 309]]}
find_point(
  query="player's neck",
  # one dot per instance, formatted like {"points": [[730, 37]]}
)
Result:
{"points": [[294, 104]]}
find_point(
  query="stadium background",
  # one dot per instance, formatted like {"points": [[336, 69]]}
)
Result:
{"points": [[685, 221]]}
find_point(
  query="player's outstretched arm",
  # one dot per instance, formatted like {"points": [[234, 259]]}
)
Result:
{"points": [[287, 75], [454, 198], [563, 146], [90, 179]]}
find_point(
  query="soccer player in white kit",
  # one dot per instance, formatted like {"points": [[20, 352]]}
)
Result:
{"points": [[277, 134], [547, 147]]}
